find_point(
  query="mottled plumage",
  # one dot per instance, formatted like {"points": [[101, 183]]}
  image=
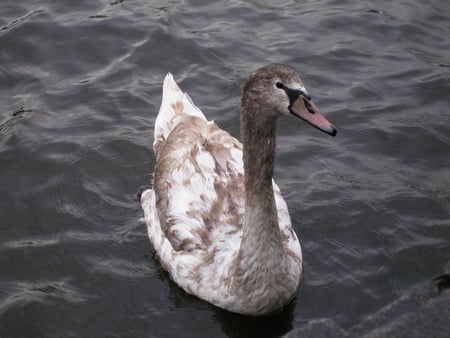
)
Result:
{"points": [[222, 234]]}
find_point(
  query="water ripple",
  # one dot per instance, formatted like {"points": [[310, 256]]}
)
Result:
{"points": [[80, 87]]}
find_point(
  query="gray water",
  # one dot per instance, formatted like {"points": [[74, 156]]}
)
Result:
{"points": [[80, 85]]}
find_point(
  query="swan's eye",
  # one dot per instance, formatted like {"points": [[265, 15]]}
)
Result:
{"points": [[279, 85]]}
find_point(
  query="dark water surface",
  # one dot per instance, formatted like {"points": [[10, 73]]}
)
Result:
{"points": [[80, 85]]}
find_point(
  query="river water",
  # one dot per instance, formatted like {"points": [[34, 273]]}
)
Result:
{"points": [[80, 85]]}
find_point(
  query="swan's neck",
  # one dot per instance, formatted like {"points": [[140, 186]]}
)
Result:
{"points": [[260, 257]]}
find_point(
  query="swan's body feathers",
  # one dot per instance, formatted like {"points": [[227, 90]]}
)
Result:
{"points": [[223, 236]]}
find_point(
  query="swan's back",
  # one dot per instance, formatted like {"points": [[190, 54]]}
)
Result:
{"points": [[198, 165]]}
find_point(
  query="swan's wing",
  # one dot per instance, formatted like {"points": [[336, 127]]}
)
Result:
{"points": [[198, 184], [290, 240], [174, 103]]}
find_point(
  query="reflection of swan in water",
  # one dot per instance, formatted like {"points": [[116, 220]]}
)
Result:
{"points": [[215, 217]]}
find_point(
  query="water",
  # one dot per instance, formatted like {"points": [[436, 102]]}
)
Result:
{"points": [[80, 84]]}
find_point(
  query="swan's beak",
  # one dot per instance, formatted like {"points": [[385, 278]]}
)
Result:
{"points": [[305, 109]]}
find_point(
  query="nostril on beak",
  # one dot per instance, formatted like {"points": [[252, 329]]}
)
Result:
{"points": [[307, 104]]}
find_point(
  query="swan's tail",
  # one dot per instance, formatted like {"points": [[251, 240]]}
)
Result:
{"points": [[174, 103]]}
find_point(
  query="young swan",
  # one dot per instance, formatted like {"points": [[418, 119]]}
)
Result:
{"points": [[215, 216]]}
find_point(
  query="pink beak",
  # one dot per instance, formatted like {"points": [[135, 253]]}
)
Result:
{"points": [[305, 109]]}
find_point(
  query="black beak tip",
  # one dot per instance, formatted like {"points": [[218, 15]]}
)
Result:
{"points": [[333, 131]]}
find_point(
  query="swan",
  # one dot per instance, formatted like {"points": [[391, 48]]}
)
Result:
{"points": [[214, 215]]}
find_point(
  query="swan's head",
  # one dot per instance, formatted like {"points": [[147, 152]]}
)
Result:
{"points": [[278, 90]]}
